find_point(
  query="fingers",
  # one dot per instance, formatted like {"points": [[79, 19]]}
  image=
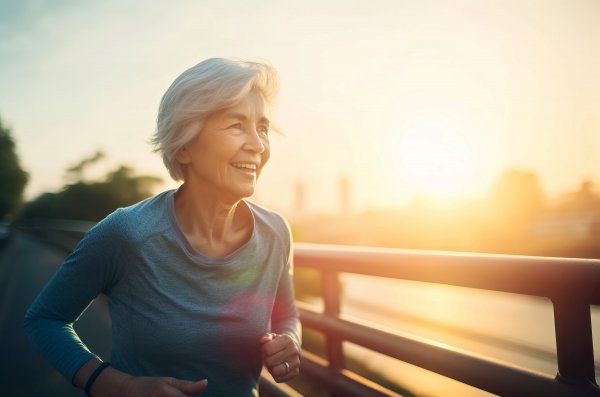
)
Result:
{"points": [[281, 373], [276, 344], [163, 387], [266, 338], [277, 350], [188, 387]]}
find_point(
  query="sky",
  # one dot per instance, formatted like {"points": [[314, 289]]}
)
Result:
{"points": [[402, 98]]}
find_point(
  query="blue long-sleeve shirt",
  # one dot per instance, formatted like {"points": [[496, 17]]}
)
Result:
{"points": [[174, 311]]}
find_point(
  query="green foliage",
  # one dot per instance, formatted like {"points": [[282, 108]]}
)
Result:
{"points": [[91, 201], [12, 177], [75, 173]]}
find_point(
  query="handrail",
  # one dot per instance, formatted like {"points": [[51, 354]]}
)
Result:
{"points": [[571, 284], [555, 278]]}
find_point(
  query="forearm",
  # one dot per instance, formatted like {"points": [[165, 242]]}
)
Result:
{"points": [[50, 318], [285, 317], [289, 326], [57, 342]]}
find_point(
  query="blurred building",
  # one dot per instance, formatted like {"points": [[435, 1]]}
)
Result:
{"points": [[577, 226], [299, 199], [344, 195], [575, 215]]}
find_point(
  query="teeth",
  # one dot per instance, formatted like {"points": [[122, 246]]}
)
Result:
{"points": [[248, 166]]}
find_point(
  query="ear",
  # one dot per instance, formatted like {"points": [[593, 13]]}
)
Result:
{"points": [[183, 155]]}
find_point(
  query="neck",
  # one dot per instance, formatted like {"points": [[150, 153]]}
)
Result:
{"points": [[215, 227]]}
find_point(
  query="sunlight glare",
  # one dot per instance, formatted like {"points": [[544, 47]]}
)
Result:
{"points": [[435, 160]]}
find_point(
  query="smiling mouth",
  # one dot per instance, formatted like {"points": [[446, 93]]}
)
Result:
{"points": [[246, 167]]}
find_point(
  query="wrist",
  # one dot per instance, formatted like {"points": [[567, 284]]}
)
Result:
{"points": [[111, 383], [92, 379]]}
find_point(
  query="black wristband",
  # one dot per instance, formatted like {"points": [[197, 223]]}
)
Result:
{"points": [[93, 376]]}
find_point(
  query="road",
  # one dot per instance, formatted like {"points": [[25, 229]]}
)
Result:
{"points": [[25, 266]]}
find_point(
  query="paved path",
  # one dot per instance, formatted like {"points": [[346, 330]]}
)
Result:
{"points": [[25, 266]]}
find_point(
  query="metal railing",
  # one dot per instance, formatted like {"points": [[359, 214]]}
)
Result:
{"points": [[572, 285]]}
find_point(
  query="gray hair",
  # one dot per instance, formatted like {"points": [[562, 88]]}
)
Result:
{"points": [[211, 85]]}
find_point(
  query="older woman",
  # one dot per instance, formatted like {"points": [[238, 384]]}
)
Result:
{"points": [[198, 279]]}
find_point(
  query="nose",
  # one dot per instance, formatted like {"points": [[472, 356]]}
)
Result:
{"points": [[254, 142]]}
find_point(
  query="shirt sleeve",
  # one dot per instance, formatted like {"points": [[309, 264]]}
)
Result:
{"points": [[285, 314], [92, 268]]}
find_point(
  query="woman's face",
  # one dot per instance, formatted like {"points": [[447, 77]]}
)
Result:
{"points": [[228, 153]]}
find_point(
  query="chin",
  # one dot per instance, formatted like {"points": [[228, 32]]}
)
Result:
{"points": [[245, 193]]}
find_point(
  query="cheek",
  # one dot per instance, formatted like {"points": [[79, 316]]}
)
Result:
{"points": [[267, 153], [265, 157]]}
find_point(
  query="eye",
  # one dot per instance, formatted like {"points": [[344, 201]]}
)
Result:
{"points": [[237, 126], [263, 129]]}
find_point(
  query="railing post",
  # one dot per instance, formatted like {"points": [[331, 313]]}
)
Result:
{"points": [[333, 344], [574, 345]]}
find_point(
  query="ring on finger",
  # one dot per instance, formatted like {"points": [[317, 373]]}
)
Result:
{"points": [[287, 366]]}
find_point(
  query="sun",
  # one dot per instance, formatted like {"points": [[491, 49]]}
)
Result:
{"points": [[435, 160]]}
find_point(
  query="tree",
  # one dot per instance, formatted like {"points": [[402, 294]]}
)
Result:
{"points": [[517, 196], [75, 173], [91, 200], [12, 177]]}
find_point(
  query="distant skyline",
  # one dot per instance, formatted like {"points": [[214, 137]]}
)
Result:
{"points": [[401, 98]]}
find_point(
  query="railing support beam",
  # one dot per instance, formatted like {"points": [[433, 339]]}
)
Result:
{"points": [[331, 294], [574, 345]]}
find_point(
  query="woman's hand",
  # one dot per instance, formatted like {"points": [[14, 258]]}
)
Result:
{"points": [[280, 356], [113, 383], [150, 386]]}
